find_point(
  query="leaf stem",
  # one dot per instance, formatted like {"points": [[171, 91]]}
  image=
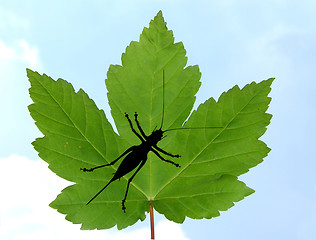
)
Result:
{"points": [[152, 225]]}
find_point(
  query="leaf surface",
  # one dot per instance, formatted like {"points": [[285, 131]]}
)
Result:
{"points": [[78, 135]]}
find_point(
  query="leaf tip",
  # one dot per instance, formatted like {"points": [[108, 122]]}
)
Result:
{"points": [[249, 191], [29, 72], [159, 14]]}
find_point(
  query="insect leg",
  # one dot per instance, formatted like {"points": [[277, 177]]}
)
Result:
{"points": [[134, 131], [124, 153], [129, 181], [158, 155], [163, 151], [139, 127]]}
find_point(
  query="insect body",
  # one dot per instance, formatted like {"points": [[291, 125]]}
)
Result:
{"points": [[137, 155]]}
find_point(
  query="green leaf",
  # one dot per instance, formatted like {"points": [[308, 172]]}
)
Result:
{"points": [[78, 135], [213, 158]]}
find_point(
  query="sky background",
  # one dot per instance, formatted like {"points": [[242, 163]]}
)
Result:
{"points": [[233, 42]]}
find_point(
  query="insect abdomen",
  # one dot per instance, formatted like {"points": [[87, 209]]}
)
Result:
{"points": [[130, 162]]}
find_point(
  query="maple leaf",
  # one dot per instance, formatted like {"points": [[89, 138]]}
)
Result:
{"points": [[78, 135]]}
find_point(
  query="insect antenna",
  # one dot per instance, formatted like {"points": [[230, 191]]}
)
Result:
{"points": [[173, 129], [163, 109], [163, 97]]}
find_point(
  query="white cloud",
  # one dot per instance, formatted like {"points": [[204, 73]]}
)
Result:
{"points": [[28, 54], [27, 187], [6, 52], [17, 50], [14, 59], [169, 230], [20, 52]]}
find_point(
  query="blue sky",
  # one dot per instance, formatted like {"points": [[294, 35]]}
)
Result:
{"points": [[233, 42]]}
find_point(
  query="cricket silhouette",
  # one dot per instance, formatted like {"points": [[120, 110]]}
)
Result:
{"points": [[137, 155]]}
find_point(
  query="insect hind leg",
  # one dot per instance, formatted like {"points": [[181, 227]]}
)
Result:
{"points": [[129, 181], [109, 164]]}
